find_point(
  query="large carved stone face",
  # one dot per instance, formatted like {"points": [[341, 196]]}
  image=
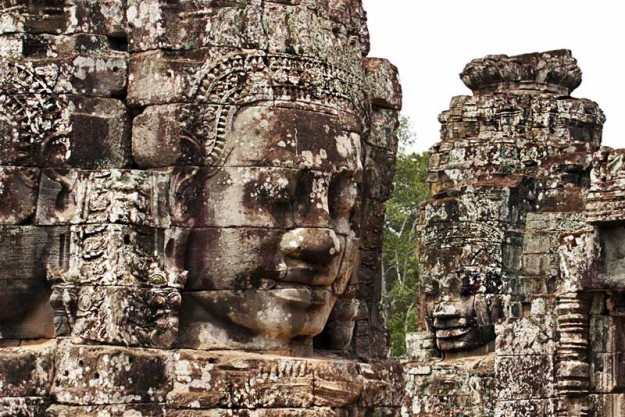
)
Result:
{"points": [[273, 238]]}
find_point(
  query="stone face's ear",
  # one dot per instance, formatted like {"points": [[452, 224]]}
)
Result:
{"points": [[366, 325], [382, 83]]}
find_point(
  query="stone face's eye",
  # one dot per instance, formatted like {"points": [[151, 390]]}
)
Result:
{"points": [[469, 285], [429, 287], [342, 195], [274, 186]]}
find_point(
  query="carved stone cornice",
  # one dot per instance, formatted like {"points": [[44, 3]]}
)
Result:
{"points": [[546, 72]]}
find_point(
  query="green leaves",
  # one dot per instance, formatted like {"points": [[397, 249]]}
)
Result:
{"points": [[399, 261]]}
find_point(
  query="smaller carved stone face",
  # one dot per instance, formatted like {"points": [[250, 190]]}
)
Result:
{"points": [[461, 261], [459, 311]]}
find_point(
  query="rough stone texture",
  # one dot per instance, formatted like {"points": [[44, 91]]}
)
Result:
{"points": [[521, 251], [181, 195]]}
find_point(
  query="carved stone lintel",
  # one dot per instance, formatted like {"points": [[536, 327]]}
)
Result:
{"points": [[197, 380]]}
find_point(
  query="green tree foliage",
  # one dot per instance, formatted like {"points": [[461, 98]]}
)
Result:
{"points": [[401, 278]]}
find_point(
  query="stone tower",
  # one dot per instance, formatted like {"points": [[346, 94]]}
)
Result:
{"points": [[520, 251], [182, 186]]}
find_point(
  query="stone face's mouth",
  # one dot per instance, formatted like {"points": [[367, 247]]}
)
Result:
{"points": [[451, 333], [452, 330], [309, 275], [303, 295]]}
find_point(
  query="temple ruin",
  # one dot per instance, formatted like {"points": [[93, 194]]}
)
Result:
{"points": [[191, 217], [182, 186]]}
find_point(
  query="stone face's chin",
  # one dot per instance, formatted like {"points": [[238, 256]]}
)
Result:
{"points": [[464, 338], [284, 313], [254, 319]]}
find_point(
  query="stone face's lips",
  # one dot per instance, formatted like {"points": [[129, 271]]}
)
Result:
{"points": [[451, 323], [303, 295], [452, 332], [313, 274]]}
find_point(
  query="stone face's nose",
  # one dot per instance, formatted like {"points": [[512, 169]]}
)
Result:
{"points": [[314, 245], [445, 310]]}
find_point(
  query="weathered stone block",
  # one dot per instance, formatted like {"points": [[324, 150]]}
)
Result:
{"points": [[100, 134], [533, 265], [382, 384], [100, 375], [146, 317], [156, 24], [453, 405], [523, 377], [168, 70], [255, 383], [26, 371], [113, 410], [44, 127], [104, 17], [382, 80], [25, 253], [336, 385], [533, 335], [607, 333], [378, 174], [297, 29], [201, 76], [608, 372], [372, 223], [538, 243], [267, 412], [212, 266], [87, 64], [290, 314], [261, 136], [532, 407], [420, 347], [22, 407], [607, 405], [384, 123], [266, 197]]}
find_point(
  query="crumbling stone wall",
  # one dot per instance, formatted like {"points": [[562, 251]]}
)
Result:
{"points": [[181, 216], [520, 250]]}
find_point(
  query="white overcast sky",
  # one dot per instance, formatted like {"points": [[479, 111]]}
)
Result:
{"points": [[431, 41]]}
